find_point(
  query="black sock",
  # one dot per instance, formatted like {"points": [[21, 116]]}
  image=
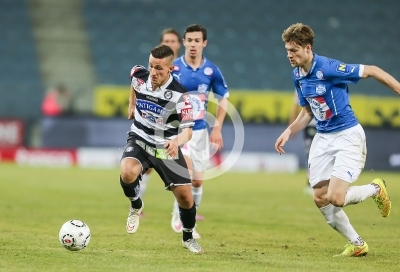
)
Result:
{"points": [[188, 218], [131, 191]]}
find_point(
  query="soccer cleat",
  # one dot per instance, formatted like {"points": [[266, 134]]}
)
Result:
{"points": [[193, 246], [382, 199], [354, 251], [176, 223], [132, 222], [195, 234]]}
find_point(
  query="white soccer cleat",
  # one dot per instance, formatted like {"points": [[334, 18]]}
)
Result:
{"points": [[176, 223], [195, 234], [132, 222], [193, 246]]}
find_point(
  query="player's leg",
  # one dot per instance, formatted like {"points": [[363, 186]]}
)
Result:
{"points": [[197, 192], [338, 220], [321, 164], [133, 163], [200, 156], [176, 223], [350, 160], [176, 177]]}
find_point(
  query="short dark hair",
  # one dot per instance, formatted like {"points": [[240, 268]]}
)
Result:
{"points": [[196, 28], [170, 31], [162, 51], [300, 34]]}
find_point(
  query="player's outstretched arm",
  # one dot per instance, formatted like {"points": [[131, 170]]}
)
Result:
{"points": [[381, 76], [132, 104], [302, 120]]}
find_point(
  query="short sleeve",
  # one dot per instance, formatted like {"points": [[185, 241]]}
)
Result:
{"points": [[138, 76], [338, 72]]}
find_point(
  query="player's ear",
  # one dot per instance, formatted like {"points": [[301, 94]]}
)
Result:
{"points": [[205, 43], [171, 68]]}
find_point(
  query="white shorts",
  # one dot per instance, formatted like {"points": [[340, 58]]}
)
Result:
{"points": [[341, 154], [197, 149]]}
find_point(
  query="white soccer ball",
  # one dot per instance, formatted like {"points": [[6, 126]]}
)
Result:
{"points": [[74, 235]]}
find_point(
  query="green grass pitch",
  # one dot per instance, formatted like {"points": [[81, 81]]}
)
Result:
{"points": [[253, 222]]}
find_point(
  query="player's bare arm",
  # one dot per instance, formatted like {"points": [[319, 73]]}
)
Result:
{"points": [[381, 76], [216, 133], [302, 120], [132, 103], [181, 139]]}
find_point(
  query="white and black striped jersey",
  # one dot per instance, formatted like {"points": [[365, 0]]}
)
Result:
{"points": [[160, 113]]}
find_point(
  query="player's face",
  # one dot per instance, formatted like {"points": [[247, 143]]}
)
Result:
{"points": [[194, 44], [172, 41], [297, 55], [160, 70]]}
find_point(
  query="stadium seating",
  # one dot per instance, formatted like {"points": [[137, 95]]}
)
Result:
{"points": [[244, 41], [244, 38], [21, 86]]}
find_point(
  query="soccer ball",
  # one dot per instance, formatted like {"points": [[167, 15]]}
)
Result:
{"points": [[74, 235]]}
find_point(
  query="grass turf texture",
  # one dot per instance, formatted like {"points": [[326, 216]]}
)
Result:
{"points": [[254, 222]]}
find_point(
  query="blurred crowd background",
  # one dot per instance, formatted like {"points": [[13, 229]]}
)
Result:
{"points": [[80, 52]]}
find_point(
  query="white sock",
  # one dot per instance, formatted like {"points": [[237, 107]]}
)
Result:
{"points": [[357, 194], [339, 221], [197, 193], [143, 183]]}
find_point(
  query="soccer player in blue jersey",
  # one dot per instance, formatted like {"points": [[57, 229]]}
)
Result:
{"points": [[338, 151], [199, 76]]}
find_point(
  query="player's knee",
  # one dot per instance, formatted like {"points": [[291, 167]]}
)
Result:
{"points": [[336, 199], [130, 172], [320, 200], [184, 199], [197, 183], [129, 176]]}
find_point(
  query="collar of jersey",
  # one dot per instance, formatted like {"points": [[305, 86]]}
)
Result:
{"points": [[188, 66], [161, 88], [315, 59]]}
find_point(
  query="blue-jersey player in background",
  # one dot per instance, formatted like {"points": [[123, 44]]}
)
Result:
{"points": [[338, 151], [199, 76]]}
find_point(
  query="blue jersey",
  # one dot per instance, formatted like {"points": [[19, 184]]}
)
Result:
{"points": [[325, 89], [199, 82]]}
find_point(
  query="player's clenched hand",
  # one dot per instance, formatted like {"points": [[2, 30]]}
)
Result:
{"points": [[131, 112], [281, 141], [172, 147]]}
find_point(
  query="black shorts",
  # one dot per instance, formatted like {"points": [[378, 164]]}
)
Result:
{"points": [[172, 171]]}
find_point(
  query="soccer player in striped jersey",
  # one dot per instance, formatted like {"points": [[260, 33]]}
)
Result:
{"points": [[338, 151], [170, 37], [163, 121]]}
